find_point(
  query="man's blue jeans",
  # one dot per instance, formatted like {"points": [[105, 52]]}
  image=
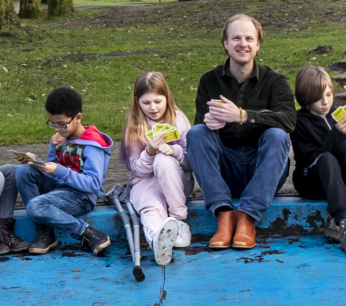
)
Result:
{"points": [[48, 202], [253, 174]]}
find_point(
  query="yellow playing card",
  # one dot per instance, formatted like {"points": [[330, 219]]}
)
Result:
{"points": [[171, 135], [149, 134], [166, 129], [339, 113], [216, 100]]}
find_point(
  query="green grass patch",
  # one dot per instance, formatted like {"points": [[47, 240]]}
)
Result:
{"points": [[101, 51]]}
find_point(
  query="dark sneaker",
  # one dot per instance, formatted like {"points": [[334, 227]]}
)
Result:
{"points": [[45, 240], [332, 232], [342, 227], [94, 239], [17, 245], [8, 238]]}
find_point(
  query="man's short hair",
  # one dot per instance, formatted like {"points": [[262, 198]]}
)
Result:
{"points": [[64, 100], [255, 22]]}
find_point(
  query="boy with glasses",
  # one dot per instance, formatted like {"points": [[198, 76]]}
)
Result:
{"points": [[69, 184]]}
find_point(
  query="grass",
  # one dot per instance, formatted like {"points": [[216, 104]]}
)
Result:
{"points": [[100, 52]]}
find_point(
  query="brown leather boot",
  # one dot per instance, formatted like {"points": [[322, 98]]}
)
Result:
{"points": [[223, 237], [245, 235]]}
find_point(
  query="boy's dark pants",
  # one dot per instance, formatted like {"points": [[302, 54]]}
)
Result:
{"points": [[326, 179]]}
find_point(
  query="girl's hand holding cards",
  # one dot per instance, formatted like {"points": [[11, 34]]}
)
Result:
{"points": [[153, 145], [166, 149]]}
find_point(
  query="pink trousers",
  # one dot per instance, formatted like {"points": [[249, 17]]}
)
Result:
{"points": [[163, 194]]}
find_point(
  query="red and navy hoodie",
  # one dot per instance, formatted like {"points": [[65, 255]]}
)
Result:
{"points": [[82, 162]]}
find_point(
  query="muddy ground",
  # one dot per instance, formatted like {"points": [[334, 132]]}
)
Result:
{"points": [[212, 14]]}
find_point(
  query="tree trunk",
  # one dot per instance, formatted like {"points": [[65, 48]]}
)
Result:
{"points": [[30, 9], [8, 15], [59, 7]]}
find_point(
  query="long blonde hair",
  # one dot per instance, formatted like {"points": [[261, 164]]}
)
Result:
{"points": [[136, 124]]}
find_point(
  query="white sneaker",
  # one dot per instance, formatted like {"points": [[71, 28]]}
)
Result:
{"points": [[149, 233], [184, 235], [164, 240]]}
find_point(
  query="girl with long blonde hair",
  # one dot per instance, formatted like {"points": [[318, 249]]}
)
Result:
{"points": [[161, 178]]}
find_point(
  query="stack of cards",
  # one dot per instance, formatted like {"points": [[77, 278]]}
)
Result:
{"points": [[216, 100], [339, 113], [163, 129]]}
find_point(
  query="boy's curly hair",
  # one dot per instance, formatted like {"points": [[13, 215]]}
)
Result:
{"points": [[64, 100]]}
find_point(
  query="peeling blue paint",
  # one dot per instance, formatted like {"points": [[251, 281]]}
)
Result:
{"points": [[289, 268]]}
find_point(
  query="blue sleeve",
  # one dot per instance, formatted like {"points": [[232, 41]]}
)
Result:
{"points": [[51, 153], [91, 179]]}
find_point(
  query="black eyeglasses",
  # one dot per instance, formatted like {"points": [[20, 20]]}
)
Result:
{"points": [[59, 127]]}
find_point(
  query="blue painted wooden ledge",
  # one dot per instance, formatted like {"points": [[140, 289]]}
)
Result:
{"points": [[286, 216]]}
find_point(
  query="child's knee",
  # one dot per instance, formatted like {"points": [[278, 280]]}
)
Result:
{"points": [[328, 159], [8, 171], [165, 163], [22, 171], [32, 208]]}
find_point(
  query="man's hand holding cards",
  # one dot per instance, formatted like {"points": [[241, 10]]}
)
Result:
{"points": [[166, 129]]}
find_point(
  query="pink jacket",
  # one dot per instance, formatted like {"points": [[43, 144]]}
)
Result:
{"points": [[141, 163]]}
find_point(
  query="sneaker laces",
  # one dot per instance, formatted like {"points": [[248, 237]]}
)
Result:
{"points": [[342, 228], [181, 226], [86, 237], [13, 238]]}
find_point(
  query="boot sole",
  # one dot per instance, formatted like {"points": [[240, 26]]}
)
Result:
{"points": [[5, 252], [42, 251], [102, 246], [165, 240], [243, 246], [20, 249], [219, 246], [332, 236]]}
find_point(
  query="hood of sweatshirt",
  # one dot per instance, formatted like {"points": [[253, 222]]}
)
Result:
{"points": [[305, 113], [93, 137]]}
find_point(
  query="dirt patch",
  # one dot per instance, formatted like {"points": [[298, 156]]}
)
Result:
{"points": [[82, 57], [212, 14], [321, 50]]}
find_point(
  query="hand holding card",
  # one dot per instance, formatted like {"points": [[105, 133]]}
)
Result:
{"points": [[216, 100], [339, 113], [166, 129], [27, 157]]}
